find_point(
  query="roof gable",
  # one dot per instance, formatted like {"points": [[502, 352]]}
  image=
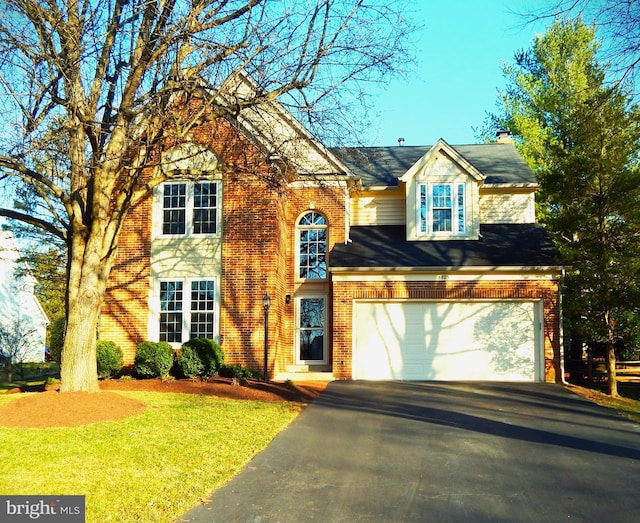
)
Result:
{"points": [[499, 163], [276, 131], [430, 160]]}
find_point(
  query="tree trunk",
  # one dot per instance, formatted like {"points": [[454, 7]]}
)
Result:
{"points": [[78, 371], [88, 274], [612, 382]]}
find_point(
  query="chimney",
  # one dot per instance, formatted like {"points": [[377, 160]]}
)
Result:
{"points": [[504, 136]]}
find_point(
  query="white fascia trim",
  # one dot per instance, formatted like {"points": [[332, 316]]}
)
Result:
{"points": [[447, 274], [319, 181], [509, 186], [380, 188]]}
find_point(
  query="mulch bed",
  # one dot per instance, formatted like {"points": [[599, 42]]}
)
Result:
{"points": [[55, 409]]}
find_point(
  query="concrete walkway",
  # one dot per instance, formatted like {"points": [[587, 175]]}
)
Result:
{"points": [[440, 452]]}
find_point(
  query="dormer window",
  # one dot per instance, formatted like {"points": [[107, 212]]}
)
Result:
{"points": [[442, 208], [442, 193]]}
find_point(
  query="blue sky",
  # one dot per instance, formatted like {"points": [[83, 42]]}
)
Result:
{"points": [[460, 51]]}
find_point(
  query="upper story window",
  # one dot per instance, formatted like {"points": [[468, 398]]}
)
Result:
{"points": [[442, 208], [312, 246], [190, 208]]}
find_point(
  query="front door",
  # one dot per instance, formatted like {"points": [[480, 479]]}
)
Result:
{"points": [[310, 330]]}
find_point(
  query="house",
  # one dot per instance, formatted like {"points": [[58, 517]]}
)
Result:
{"points": [[23, 322], [411, 263]]}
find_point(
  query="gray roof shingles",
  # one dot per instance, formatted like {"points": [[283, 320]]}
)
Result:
{"points": [[500, 245], [500, 163], [385, 247]]}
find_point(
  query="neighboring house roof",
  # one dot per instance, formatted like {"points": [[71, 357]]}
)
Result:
{"points": [[500, 163], [499, 245]]}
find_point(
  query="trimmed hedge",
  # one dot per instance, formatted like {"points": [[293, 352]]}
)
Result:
{"points": [[200, 358], [109, 358], [153, 359]]}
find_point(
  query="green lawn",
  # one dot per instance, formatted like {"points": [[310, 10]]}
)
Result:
{"points": [[628, 404], [152, 467], [32, 374]]}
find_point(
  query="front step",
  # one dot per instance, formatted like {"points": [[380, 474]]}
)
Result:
{"points": [[304, 376]]}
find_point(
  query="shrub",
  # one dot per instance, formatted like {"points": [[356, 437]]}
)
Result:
{"points": [[109, 357], [200, 357], [189, 362], [56, 338], [240, 372], [153, 359]]}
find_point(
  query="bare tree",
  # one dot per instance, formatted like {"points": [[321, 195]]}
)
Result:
{"points": [[16, 343], [618, 25], [93, 84]]}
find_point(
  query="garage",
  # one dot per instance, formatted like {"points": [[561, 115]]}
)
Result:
{"points": [[447, 340]]}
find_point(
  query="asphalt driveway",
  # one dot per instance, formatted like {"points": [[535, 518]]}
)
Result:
{"points": [[440, 452]]}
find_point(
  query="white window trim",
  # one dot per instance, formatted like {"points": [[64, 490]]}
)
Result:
{"points": [[159, 209], [154, 309], [297, 246], [325, 356], [429, 233]]}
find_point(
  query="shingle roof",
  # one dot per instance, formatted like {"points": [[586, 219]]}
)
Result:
{"points": [[500, 245], [500, 163]]}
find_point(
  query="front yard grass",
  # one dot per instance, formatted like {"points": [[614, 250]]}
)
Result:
{"points": [[628, 404], [152, 467], [34, 373]]}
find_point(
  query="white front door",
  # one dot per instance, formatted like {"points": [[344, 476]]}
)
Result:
{"points": [[311, 340]]}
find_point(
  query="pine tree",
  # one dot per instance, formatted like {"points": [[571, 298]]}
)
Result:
{"points": [[581, 136]]}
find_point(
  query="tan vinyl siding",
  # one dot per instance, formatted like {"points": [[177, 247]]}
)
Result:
{"points": [[507, 207], [378, 208]]}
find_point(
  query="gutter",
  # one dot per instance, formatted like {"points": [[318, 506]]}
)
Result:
{"points": [[453, 268]]}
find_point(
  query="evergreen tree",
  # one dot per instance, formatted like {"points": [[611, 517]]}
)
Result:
{"points": [[581, 137]]}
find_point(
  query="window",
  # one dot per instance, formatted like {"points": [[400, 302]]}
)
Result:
{"points": [[312, 246], [190, 312], [171, 311], [190, 208], [442, 208]]}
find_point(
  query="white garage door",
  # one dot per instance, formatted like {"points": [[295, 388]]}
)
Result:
{"points": [[479, 340]]}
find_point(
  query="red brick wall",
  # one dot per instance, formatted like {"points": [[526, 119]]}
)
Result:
{"points": [[258, 255], [124, 314], [345, 293]]}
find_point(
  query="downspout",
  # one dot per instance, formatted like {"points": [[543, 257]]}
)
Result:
{"points": [[347, 213], [561, 330]]}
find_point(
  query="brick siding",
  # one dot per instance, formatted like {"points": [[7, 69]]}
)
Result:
{"points": [[344, 294], [258, 255]]}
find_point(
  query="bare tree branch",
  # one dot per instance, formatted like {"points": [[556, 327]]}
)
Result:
{"points": [[36, 222]]}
